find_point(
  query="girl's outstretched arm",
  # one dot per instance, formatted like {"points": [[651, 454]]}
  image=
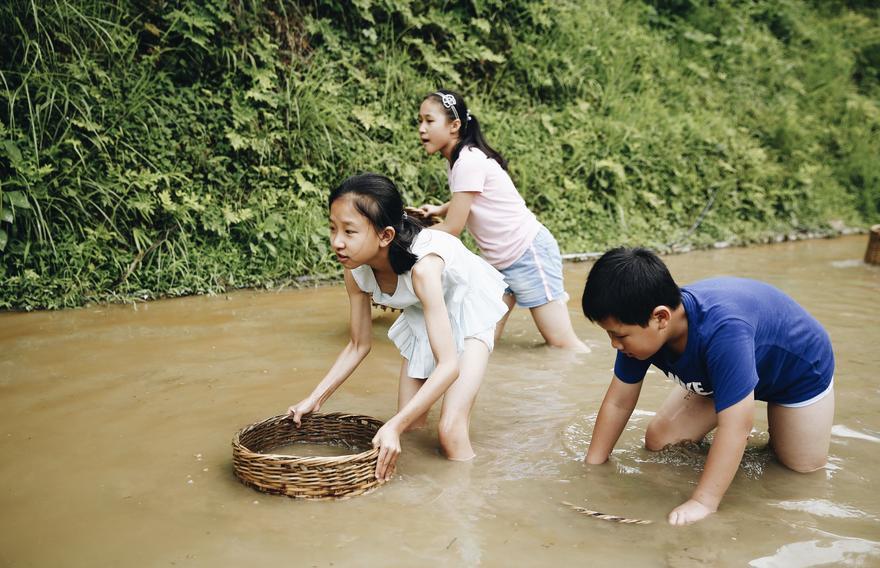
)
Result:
{"points": [[457, 211], [426, 277], [361, 326]]}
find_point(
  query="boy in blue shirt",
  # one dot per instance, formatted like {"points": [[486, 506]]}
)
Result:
{"points": [[727, 342]]}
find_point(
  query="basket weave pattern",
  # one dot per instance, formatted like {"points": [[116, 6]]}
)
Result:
{"points": [[872, 254], [334, 477]]}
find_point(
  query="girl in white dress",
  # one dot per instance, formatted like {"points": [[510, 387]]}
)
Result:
{"points": [[451, 301]]}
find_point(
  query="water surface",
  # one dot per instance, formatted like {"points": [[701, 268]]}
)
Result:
{"points": [[116, 422]]}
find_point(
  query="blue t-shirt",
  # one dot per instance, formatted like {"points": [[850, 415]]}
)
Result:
{"points": [[743, 336]]}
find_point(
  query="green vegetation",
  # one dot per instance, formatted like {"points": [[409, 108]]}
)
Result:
{"points": [[167, 147]]}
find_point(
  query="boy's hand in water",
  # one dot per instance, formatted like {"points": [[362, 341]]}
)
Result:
{"points": [[387, 439], [300, 409], [689, 512]]}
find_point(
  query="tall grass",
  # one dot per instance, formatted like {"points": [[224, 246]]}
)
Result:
{"points": [[167, 147]]}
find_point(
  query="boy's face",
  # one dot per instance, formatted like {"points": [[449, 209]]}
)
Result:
{"points": [[634, 340]]}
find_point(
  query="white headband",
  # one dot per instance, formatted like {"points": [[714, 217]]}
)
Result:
{"points": [[449, 102]]}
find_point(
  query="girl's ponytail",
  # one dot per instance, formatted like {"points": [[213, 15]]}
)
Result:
{"points": [[399, 255], [469, 133], [377, 198]]}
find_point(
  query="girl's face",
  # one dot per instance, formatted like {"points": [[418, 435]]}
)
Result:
{"points": [[436, 131], [353, 237]]}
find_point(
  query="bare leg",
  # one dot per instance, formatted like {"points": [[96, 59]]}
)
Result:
{"points": [[407, 388], [801, 436], [459, 400], [510, 300], [682, 416], [554, 323]]}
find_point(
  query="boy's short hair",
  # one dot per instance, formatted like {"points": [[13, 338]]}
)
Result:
{"points": [[627, 284]]}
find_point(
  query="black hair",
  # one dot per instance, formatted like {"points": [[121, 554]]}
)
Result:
{"points": [[377, 198], [469, 134], [627, 284]]}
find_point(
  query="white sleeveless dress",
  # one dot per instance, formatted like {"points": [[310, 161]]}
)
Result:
{"points": [[472, 290]]}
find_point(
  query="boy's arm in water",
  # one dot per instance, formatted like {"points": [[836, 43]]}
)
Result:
{"points": [[725, 454], [361, 327], [731, 362], [456, 212], [617, 407], [427, 284]]}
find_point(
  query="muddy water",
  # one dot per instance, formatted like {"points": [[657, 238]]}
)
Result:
{"points": [[115, 428]]}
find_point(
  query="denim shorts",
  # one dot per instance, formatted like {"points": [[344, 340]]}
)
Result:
{"points": [[535, 278]]}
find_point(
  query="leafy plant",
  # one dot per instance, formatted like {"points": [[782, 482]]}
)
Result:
{"points": [[164, 147]]}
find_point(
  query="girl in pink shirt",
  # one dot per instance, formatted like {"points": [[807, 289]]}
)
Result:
{"points": [[485, 201]]}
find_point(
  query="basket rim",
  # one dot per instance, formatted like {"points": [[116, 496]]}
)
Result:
{"points": [[247, 453]]}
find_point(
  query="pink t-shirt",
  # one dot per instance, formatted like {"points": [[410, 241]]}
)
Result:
{"points": [[499, 220]]}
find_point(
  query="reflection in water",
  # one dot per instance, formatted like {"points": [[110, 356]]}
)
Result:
{"points": [[841, 552], [843, 432], [822, 508], [125, 416]]}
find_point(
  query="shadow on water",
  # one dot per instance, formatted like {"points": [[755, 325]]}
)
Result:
{"points": [[116, 425]]}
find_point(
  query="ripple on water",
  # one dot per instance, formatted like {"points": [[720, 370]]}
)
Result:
{"points": [[841, 551], [842, 431], [823, 508], [693, 455], [686, 453], [848, 263], [576, 438], [577, 435]]}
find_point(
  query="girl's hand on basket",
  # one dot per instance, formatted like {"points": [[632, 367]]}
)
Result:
{"points": [[300, 409], [387, 439]]}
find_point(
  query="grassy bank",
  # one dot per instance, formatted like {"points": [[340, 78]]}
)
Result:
{"points": [[152, 148]]}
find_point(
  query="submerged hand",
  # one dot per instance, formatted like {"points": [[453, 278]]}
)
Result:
{"points": [[388, 441], [689, 512], [300, 409]]}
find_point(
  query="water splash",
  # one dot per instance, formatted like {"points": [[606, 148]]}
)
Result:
{"points": [[693, 455], [629, 454]]}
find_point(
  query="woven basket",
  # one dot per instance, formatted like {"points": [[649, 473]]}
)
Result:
{"points": [[872, 254], [336, 477]]}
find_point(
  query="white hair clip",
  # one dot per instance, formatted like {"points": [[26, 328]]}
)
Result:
{"points": [[448, 102]]}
